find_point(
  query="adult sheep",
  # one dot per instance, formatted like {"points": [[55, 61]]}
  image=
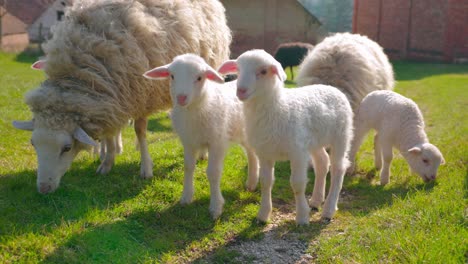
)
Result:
{"points": [[94, 64], [350, 62], [291, 54]]}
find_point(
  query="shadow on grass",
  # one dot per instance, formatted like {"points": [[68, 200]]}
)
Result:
{"points": [[159, 123], [407, 71], [30, 55]]}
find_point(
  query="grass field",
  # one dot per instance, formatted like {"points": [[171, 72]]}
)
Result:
{"points": [[119, 218]]}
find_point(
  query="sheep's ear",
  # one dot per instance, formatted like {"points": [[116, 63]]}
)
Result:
{"points": [[278, 70], [414, 150], [158, 73], [211, 74], [24, 125], [80, 135], [39, 65], [228, 67]]}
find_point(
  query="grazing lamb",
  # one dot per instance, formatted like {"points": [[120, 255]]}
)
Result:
{"points": [[94, 64], [400, 124], [205, 115], [352, 63], [291, 54], [292, 124]]}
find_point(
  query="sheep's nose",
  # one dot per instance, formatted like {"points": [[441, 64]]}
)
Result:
{"points": [[45, 188], [242, 93], [182, 99]]}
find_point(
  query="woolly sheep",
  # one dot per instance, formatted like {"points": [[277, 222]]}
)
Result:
{"points": [[205, 115], [291, 54], [353, 63], [94, 64], [291, 124], [399, 123]]}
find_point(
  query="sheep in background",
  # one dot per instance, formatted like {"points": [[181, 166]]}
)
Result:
{"points": [[399, 123], [94, 64], [205, 115], [291, 124], [291, 54], [350, 62]]}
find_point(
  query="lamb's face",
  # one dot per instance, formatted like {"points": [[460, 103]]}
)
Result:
{"points": [[425, 160], [55, 151], [257, 72]]}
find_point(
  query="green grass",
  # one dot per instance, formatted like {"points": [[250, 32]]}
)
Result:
{"points": [[119, 218]]}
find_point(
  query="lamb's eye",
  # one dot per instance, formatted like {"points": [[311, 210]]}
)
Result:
{"points": [[426, 161], [172, 77], [66, 148], [199, 78], [263, 72]]}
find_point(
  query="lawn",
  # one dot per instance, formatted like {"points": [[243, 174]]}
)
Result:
{"points": [[120, 218]]}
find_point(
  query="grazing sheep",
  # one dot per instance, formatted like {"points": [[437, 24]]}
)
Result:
{"points": [[400, 124], [291, 124], [291, 54], [94, 64], [352, 63], [205, 115]]}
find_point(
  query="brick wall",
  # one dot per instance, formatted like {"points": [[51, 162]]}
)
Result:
{"points": [[415, 29]]}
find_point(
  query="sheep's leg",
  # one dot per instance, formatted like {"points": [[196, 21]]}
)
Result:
{"points": [[338, 168], [214, 171], [359, 134], [252, 178], [108, 161], [189, 168], [146, 168], [321, 163], [377, 152], [118, 143], [292, 73], [298, 183], [267, 179], [387, 160]]}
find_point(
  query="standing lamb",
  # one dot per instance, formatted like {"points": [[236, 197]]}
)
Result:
{"points": [[353, 63], [94, 64], [400, 124], [292, 124], [291, 54], [205, 115]]}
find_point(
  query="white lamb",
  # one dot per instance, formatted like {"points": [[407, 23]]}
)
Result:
{"points": [[399, 123], [205, 115], [292, 124]]}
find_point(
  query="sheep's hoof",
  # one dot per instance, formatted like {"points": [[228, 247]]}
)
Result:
{"points": [[146, 174], [326, 220], [216, 212], [104, 168], [314, 209], [186, 200]]}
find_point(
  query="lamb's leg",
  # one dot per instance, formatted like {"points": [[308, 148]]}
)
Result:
{"points": [[377, 152], [298, 183], [359, 134], [214, 171], [118, 143], [387, 160], [338, 169], [321, 163], [189, 168], [252, 178], [108, 161], [267, 178], [146, 167]]}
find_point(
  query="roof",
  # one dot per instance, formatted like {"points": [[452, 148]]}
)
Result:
{"points": [[27, 10]]}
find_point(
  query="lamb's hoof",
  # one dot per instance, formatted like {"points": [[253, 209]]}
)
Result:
{"points": [[251, 187], [104, 168], [302, 221], [216, 212], [326, 220], [186, 200], [146, 174], [314, 209]]}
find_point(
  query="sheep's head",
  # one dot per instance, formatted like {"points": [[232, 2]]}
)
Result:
{"points": [[425, 159], [55, 151], [188, 74], [257, 72]]}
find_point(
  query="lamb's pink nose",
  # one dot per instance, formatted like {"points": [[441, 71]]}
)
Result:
{"points": [[182, 99], [242, 93]]}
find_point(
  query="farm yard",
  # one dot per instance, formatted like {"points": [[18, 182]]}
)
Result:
{"points": [[121, 218]]}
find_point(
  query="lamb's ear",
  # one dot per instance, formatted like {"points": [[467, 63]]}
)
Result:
{"points": [[442, 162], [415, 150], [158, 73], [278, 70], [24, 125], [39, 65], [211, 74], [80, 135], [228, 67]]}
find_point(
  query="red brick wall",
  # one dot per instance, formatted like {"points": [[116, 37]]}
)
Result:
{"points": [[415, 29]]}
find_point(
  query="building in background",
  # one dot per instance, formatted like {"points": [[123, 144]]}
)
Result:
{"points": [[25, 21], [415, 29]]}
